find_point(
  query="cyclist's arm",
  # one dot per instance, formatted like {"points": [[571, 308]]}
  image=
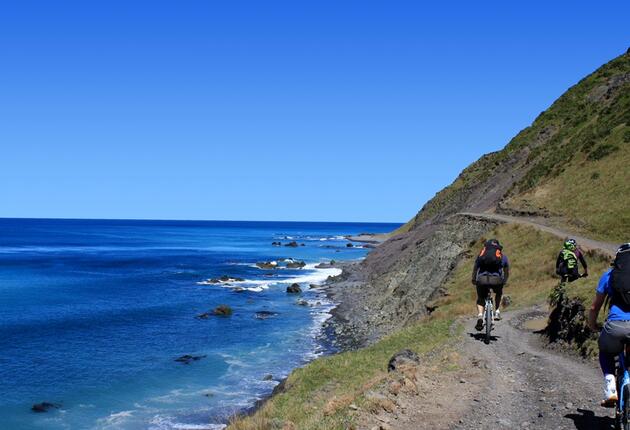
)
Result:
{"points": [[583, 261], [506, 274], [475, 269], [594, 311]]}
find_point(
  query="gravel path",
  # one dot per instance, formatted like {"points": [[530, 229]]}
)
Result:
{"points": [[529, 386], [585, 242]]}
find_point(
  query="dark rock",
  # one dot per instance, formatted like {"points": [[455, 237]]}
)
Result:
{"points": [[268, 377], [292, 244], [302, 302], [295, 264], [267, 265], [405, 356], [263, 315], [301, 244], [349, 245], [222, 311], [187, 359], [311, 286], [294, 288], [44, 406], [203, 316], [276, 243]]}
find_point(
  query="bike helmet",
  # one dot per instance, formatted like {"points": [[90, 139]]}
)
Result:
{"points": [[623, 248], [570, 244], [493, 242]]}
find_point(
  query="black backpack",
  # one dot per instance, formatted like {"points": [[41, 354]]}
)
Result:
{"points": [[620, 279], [491, 257]]}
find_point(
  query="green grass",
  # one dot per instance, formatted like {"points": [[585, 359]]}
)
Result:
{"points": [[318, 395]]}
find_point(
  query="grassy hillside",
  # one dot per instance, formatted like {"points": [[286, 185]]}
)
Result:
{"points": [[319, 395], [568, 164]]}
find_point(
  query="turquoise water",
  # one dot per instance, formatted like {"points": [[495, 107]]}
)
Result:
{"points": [[94, 314]]}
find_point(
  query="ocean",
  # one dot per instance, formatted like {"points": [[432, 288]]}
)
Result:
{"points": [[94, 314]]}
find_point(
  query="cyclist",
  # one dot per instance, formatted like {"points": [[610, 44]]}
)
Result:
{"points": [[491, 271], [567, 261], [615, 284]]}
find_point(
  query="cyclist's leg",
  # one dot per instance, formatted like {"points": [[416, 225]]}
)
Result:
{"points": [[610, 345], [498, 293], [482, 292]]}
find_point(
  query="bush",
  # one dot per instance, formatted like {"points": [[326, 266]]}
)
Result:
{"points": [[602, 151]]}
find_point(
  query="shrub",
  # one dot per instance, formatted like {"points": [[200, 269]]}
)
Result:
{"points": [[602, 151]]}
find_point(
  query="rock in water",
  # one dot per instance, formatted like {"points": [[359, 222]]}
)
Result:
{"points": [[187, 359], [44, 406], [292, 244], [263, 315], [294, 288], [403, 357], [222, 311]]}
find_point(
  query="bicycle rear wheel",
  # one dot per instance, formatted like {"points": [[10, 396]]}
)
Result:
{"points": [[625, 411], [488, 318]]}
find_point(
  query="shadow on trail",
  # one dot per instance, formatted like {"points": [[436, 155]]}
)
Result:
{"points": [[482, 337], [587, 420]]}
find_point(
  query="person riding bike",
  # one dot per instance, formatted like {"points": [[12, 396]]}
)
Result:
{"points": [[490, 272], [567, 262], [615, 285]]}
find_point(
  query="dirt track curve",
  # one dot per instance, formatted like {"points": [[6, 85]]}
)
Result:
{"points": [[585, 242]]}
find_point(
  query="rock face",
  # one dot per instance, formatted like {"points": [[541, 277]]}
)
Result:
{"points": [[294, 289], [44, 407], [402, 358]]}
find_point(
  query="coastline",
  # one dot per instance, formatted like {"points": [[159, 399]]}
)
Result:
{"points": [[336, 332]]}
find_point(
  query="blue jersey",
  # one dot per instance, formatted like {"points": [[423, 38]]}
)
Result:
{"points": [[604, 287]]}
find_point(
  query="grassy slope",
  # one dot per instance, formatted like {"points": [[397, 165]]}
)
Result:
{"points": [[588, 137], [318, 395]]}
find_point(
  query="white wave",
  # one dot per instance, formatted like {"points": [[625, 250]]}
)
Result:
{"points": [[115, 420], [168, 423]]}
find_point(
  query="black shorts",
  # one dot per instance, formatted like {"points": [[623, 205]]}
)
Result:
{"points": [[483, 290]]}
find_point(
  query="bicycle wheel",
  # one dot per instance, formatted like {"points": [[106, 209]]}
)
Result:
{"points": [[625, 412], [488, 318]]}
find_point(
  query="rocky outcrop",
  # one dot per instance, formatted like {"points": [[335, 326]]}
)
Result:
{"points": [[294, 289], [405, 357]]}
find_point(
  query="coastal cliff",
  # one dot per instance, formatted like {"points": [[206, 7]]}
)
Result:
{"points": [[566, 174], [587, 130]]}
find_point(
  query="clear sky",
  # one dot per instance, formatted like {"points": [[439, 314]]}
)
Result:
{"points": [[274, 110]]}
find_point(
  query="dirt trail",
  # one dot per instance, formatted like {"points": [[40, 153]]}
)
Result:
{"points": [[528, 386], [585, 242]]}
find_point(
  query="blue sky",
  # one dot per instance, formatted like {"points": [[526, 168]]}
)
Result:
{"points": [[323, 111]]}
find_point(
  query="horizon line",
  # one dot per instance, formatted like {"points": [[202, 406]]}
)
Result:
{"points": [[194, 220]]}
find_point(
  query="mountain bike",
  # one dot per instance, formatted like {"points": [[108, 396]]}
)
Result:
{"points": [[622, 410]]}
